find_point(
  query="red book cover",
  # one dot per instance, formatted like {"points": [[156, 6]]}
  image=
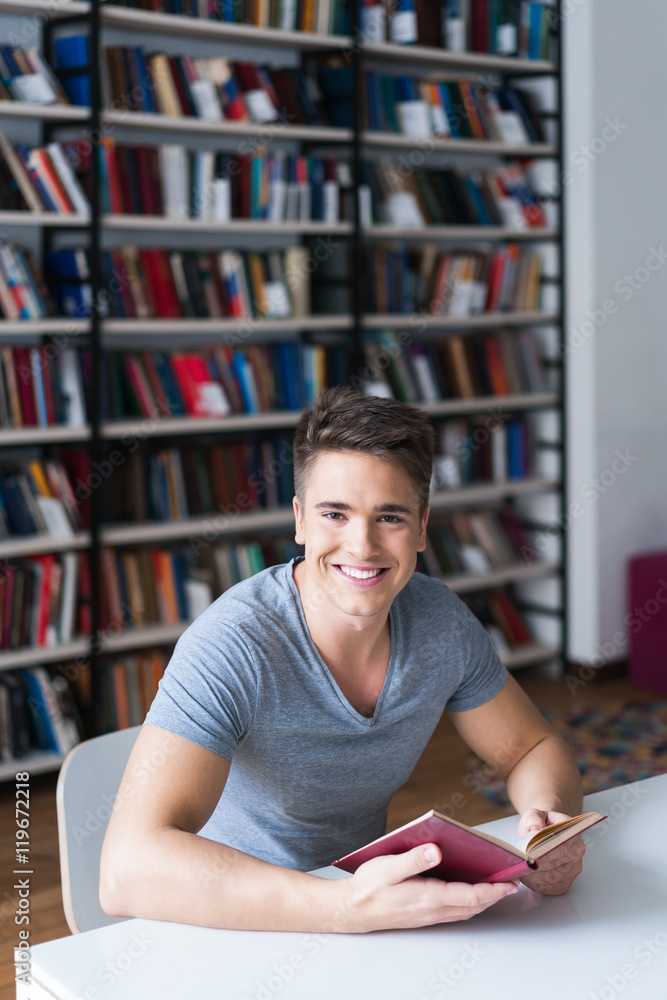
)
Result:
{"points": [[43, 597], [199, 375], [116, 199], [77, 466], [501, 603], [8, 572], [469, 855], [244, 178], [25, 383], [218, 284], [247, 76], [155, 181], [124, 174], [178, 84], [480, 30], [52, 181], [139, 384], [83, 608], [496, 272], [186, 384], [144, 180], [156, 266]]}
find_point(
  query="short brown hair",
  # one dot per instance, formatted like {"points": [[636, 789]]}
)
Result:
{"points": [[342, 419]]}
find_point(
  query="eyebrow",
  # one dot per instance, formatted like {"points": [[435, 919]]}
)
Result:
{"points": [[384, 508]]}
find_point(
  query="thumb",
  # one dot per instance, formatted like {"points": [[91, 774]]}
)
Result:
{"points": [[394, 868], [419, 859], [531, 821]]}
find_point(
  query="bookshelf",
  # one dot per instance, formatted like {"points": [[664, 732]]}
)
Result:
{"points": [[538, 585]]}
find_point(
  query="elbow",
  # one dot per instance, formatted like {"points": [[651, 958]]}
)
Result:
{"points": [[113, 883]]}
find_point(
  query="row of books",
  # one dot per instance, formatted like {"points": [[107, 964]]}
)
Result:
{"points": [[319, 94], [424, 108], [218, 381], [418, 279], [476, 541], [155, 586], [23, 293], [142, 283], [417, 198], [37, 712], [26, 76], [36, 497], [455, 367], [501, 618], [321, 16], [40, 598], [128, 684], [202, 184], [171, 181], [163, 484], [499, 27], [39, 179], [493, 448], [43, 386], [214, 89]]}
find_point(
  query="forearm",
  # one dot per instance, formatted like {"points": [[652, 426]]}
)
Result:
{"points": [[546, 778], [182, 877]]}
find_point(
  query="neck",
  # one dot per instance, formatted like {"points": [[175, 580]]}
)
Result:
{"points": [[348, 641]]}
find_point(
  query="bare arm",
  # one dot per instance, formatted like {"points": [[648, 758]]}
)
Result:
{"points": [[154, 865], [543, 780]]}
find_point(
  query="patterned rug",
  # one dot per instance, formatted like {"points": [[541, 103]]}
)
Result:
{"points": [[611, 748]]}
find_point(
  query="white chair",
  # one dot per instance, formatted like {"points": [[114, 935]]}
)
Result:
{"points": [[88, 782]]}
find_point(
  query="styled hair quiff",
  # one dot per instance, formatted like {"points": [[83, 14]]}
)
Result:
{"points": [[342, 419]]}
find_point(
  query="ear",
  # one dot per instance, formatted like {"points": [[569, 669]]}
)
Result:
{"points": [[421, 541], [300, 531]]}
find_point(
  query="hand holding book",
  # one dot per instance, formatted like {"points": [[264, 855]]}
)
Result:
{"points": [[469, 855], [559, 868]]}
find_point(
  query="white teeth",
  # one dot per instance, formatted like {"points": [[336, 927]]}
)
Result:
{"points": [[360, 574]]}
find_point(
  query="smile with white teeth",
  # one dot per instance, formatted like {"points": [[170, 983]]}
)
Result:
{"points": [[360, 574]]}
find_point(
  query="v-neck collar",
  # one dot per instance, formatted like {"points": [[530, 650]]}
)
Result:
{"points": [[365, 720]]}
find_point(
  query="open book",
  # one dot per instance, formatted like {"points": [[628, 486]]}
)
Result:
{"points": [[468, 855]]}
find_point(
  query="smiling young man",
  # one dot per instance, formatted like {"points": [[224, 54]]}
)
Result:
{"points": [[299, 701]]}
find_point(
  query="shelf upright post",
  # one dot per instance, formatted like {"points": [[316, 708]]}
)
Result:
{"points": [[95, 388], [562, 334], [357, 260]]}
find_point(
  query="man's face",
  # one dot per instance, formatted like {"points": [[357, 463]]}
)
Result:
{"points": [[361, 529]]}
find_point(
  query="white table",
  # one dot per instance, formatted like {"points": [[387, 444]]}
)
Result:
{"points": [[606, 938]]}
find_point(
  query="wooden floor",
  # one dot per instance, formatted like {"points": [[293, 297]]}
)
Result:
{"points": [[437, 777]]}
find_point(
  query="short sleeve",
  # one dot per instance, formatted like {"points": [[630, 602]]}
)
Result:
{"points": [[208, 693], [484, 674]]}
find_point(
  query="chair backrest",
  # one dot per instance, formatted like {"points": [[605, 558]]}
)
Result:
{"points": [[88, 782]]}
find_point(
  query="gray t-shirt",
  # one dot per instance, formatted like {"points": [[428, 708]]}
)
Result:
{"points": [[311, 778]]}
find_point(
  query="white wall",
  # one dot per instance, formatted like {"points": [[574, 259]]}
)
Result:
{"points": [[616, 80]]}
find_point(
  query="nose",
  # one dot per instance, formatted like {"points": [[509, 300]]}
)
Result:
{"points": [[361, 539]]}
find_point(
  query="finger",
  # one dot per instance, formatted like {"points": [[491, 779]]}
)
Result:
{"points": [[394, 868], [482, 894], [531, 821]]}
